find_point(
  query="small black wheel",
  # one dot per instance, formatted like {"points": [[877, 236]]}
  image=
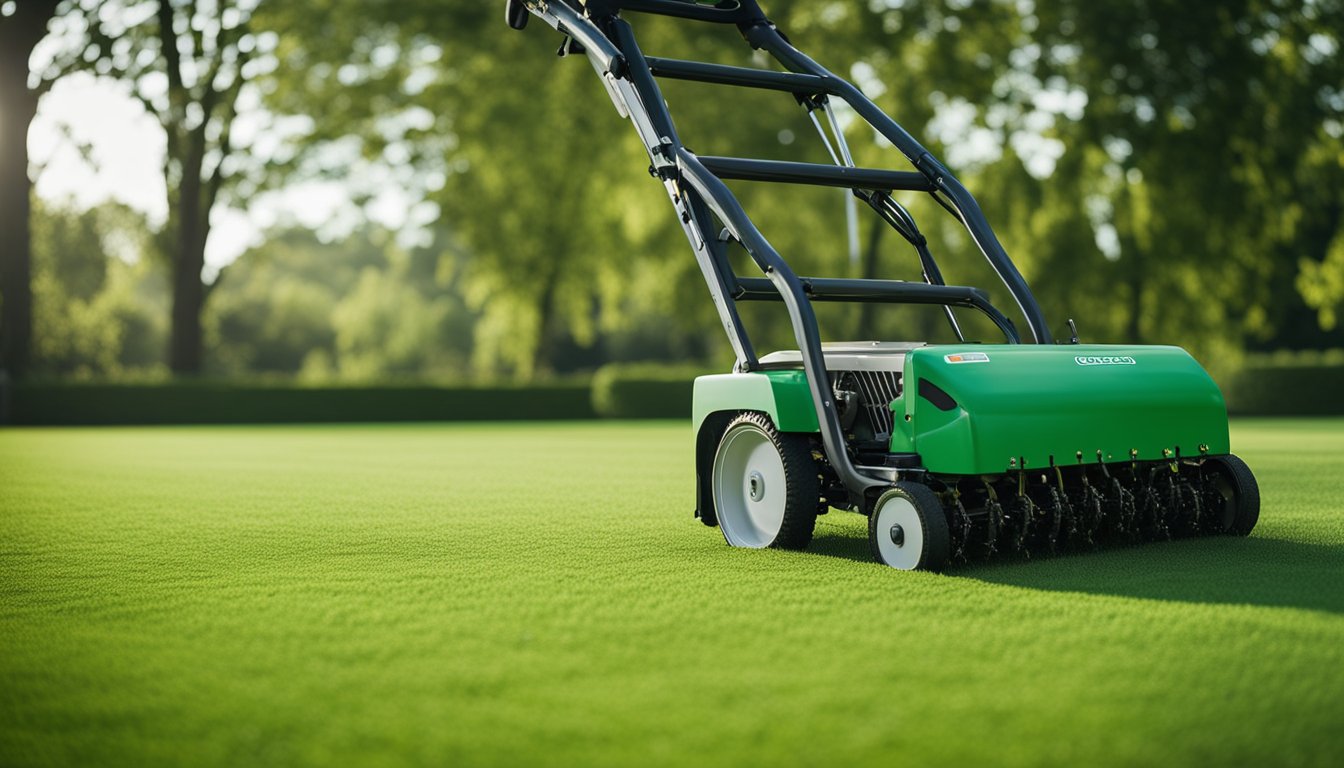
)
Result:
{"points": [[765, 485], [908, 529], [1240, 494]]}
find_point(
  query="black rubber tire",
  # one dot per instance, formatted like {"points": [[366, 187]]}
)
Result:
{"points": [[1241, 492], [937, 538], [802, 487]]}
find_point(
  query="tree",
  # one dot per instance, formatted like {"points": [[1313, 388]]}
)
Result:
{"points": [[569, 240], [1157, 169], [99, 306], [358, 309], [19, 34], [1213, 120], [187, 63]]}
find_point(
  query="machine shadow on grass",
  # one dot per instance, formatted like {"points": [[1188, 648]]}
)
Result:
{"points": [[1227, 570]]}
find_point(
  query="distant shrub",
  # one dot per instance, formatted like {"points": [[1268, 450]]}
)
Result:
{"points": [[1288, 384], [1296, 358], [644, 390], [225, 403]]}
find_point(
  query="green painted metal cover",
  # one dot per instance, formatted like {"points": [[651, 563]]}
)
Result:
{"points": [[975, 408], [783, 395]]}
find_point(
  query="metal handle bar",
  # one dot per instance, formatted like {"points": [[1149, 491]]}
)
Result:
{"points": [[697, 192], [882, 292]]}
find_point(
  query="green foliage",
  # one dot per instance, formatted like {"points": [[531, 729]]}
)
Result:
{"points": [[385, 327], [268, 326], [1149, 164], [1322, 283], [571, 246], [189, 65], [99, 307], [1157, 169], [1162, 172], [358, 309]]}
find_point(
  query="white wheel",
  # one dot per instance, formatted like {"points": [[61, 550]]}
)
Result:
{"points": [[765, 486], [908, 530]]}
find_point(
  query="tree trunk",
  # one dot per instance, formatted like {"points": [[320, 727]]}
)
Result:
{"points": [[18, 104], [543, 360], [184, 348], [184, 354]]}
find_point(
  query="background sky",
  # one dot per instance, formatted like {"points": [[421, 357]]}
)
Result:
{"points": [[91, 142]]}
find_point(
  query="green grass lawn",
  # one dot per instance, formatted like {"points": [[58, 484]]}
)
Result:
{"points": [[540, 594]]}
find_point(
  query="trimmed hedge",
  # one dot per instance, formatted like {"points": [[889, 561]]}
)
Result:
{"points": [[644, 390], [1285, 389], [216, 403], [1267, 387]]}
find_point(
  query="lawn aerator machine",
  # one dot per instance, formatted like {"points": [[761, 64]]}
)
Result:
{"points": [[953, 451]]}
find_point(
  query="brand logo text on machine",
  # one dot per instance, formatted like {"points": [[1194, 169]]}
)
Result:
{"points": [[1104, 360]]}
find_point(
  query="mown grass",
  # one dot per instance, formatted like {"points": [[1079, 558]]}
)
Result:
{"points": [[539, 594]]}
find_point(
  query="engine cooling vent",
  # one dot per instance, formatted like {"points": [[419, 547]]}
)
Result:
{"points": [[878, 389]]}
